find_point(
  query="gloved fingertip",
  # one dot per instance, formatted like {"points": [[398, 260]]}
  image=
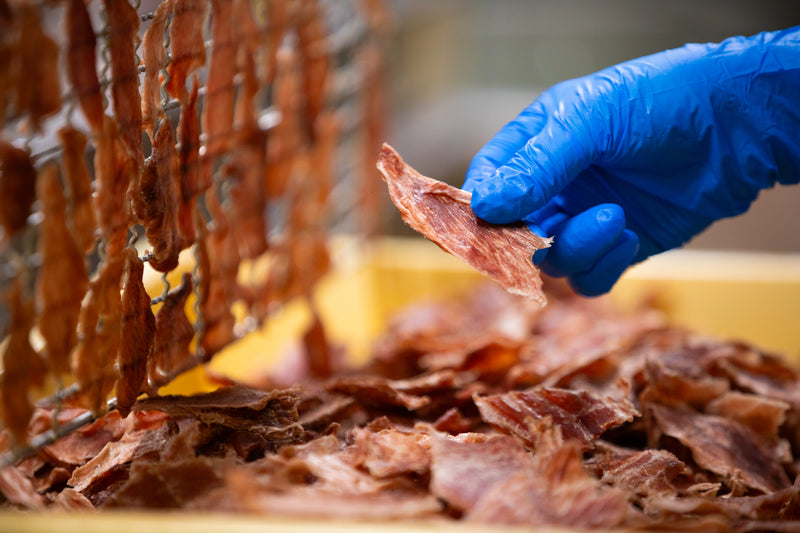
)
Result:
{"points": [[538, 255], [491, 202], [604, 274]]}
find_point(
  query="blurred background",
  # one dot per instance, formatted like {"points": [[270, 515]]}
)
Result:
{"points": [[460, 69]]}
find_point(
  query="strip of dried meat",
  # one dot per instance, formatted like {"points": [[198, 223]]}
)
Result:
{"points": [[186, 33], [155, 200], [114, 168], [22, 366], [155, 60], [123, 27], [765, 416], [188, 134], [725, 447], [8, 51], [38, 92], [312, 45], [276, 13], [173, 335], [245, 172], [78, 187], [62, 279], [99, 327], [442, 214], [17, 188], [579, 415], [136, 335], [218, 263], [82, 63]]}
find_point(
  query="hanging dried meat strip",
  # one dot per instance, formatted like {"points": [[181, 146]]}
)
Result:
{"points": [[156, 198], [276, 13], [17, 188], [725, 447], [155, 60], [246, 110], [62, 279], [78, 188], [123, 31], [581, 416], [38, 92], [186, 34], [173, 335], [189, 166], [218, 262], [217, 117], [245, 172], [136, 334], [284, 138], [442, 214], [312, 45], [114, 168], [82, 63], [99, 328], [22, 366]]}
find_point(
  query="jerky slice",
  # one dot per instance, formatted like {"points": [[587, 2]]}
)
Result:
{"points": [[443, 215]]}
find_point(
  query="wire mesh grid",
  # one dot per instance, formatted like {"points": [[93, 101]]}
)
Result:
{"points": [[232, 136]]}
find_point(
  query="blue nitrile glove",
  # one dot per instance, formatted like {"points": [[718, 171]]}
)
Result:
{"points": [[640, 157]]}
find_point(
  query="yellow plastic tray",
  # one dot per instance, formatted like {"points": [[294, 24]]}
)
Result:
{"points": [[752, 297]]}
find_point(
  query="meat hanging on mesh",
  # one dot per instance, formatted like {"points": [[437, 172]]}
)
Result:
{"points": [[191, 141]]}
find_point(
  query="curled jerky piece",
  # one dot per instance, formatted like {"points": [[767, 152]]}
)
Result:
{"points": [[82, 62], [443, 215]]}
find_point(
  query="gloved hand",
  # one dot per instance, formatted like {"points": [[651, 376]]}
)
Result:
{"points": [[638, 158]]}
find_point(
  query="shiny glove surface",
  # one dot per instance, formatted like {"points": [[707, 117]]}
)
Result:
{"points": [[638, 158]]}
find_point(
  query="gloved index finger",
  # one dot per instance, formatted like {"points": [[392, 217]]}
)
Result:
{"points": [[507, 142]]}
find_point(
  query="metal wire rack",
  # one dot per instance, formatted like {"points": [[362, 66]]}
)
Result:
{"points": [[311, 70]]}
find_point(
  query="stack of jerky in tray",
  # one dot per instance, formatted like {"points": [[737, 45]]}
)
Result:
{"points": [[488, 409]]}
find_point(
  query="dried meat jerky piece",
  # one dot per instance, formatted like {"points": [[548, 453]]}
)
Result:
{"points": [[725, 447], [247, 213], [312, 45], [484, 461], [17, 188], [155, 60], [38, 92], [82, 63], [373, 390], [374, 109], [155, 199], [8, 50], [99, 328], [81, 445], [218, 264], [763, 415], [246, 110], [579, 415], [391, 452], [555, 489], [136, 335], [217, 118], [442, 214], [114, 168], [672, 386], [276, 13], [72, 500], [186, 44], [173, 335], [22, 366], [272, 414], [649, 474], [188, 134], [78, 187], [123, 25], [62, 280]]}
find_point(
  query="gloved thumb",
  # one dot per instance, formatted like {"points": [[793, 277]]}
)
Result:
{"points": [[551, 158]]}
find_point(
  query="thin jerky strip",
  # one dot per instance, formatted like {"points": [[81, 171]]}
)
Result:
{"points": [[17, 188], [189, 166], [156, 198], [155, 60], [172, 337], [78, 185], [136, 336], [8, 51], [123, 29], [99, 328], [62, 280], [82, 63], [114, 166], [186, 44], [312, 45], [442, 214], [38, 93], [217, 118], [22, 366]]}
